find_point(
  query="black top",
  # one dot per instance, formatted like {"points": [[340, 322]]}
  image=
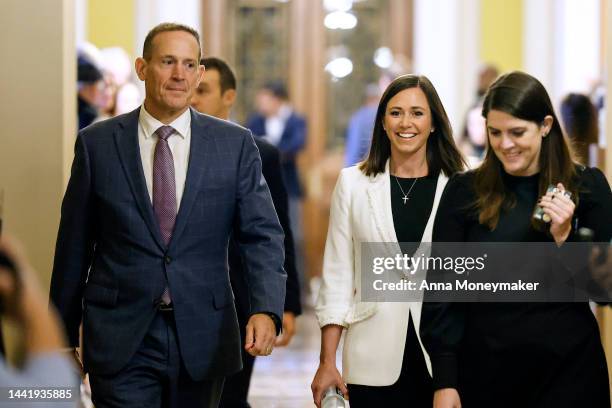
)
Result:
{"points": [[526, 350], [411, 218]]}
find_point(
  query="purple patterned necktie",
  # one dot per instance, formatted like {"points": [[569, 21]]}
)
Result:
{"points": [[164, 189]]}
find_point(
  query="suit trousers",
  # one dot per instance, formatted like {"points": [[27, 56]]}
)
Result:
{"points": [[155, 377], [236, 387]]}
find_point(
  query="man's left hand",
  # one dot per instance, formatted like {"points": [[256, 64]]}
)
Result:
{"points": [[288, 330], [260, 335]]}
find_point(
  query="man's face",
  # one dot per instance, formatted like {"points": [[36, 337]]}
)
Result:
{"points": [[171, 75], [94, 94], [208, 97], [267, 103]]}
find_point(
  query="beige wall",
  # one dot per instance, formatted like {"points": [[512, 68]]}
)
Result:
{"points": [[38, 117]]}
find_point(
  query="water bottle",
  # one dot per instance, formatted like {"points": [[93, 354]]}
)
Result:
{"points": [[332, 398]]}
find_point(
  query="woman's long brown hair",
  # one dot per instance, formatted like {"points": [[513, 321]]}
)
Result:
{"points": [[524, 97], [442, 153]]}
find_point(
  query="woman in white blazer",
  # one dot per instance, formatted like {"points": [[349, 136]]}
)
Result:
{"points": [[390, 197]]}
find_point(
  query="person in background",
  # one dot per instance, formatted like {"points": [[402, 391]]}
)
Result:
{"points": [[46, 365], [580, 120], [215, 96], [473, 137], [280, 125], [360, 127], [391, 197], [117, 65], [90, 91], [546, 354]]}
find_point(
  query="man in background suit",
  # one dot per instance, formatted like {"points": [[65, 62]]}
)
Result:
{"points": [[215, 96], [277, 123], [281, 126], [142, 246]]}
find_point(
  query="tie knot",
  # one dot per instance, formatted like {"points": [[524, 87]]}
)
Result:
{"points": [[164, 132]]}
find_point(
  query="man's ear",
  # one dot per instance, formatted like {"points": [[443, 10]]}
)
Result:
{"points": [[141, 68], [201, 70], [229, 97]]}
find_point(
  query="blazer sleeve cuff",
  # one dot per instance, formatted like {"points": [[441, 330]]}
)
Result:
{"points": [[296, 309], [278, 322], [444, 368], [325, 319]]}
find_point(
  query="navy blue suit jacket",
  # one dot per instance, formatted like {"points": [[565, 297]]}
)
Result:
{"points": [[111, 264], [271, 170], [291, 142]]}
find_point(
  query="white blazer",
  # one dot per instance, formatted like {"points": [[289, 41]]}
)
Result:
{"points": [[376, 331]]}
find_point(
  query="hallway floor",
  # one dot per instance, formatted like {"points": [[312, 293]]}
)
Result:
{"points": [[283, 379]]}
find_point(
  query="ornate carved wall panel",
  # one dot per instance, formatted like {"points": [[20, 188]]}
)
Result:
{"points": [[261, 48], [346, 95]]}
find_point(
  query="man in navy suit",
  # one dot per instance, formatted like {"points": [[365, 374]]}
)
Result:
{"points": [[281, 126], [278, 124], [141, 253], [215, 96]]}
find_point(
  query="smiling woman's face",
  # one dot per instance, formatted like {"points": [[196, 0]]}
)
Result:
{"points": [[516, 142], [408, 124]]}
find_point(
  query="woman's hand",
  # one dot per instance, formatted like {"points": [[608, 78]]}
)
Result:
{"points": [[446, 398], [560, 209], [327, 375], [288, 330]]}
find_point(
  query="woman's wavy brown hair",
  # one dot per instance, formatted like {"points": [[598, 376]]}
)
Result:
{"points": [[524, 97]]}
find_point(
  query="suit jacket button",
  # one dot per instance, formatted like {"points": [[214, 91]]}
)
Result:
{"points": [[167, 260]]}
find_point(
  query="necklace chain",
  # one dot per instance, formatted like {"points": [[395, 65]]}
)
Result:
{"points": [[406, 195]]}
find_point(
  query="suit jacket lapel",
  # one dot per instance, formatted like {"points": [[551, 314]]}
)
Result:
{"points": [[200, 144], [379, 199], [428, 232], [126, 140]]}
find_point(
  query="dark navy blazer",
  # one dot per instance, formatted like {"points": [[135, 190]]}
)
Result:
{"points": [[291, 142], [271, 170], [111, 264]]}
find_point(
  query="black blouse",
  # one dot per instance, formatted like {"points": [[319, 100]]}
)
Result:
{"points": [[411, 218]]}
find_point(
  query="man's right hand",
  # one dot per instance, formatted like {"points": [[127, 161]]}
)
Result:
{"points": [[327, 375], [446, 398]]}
